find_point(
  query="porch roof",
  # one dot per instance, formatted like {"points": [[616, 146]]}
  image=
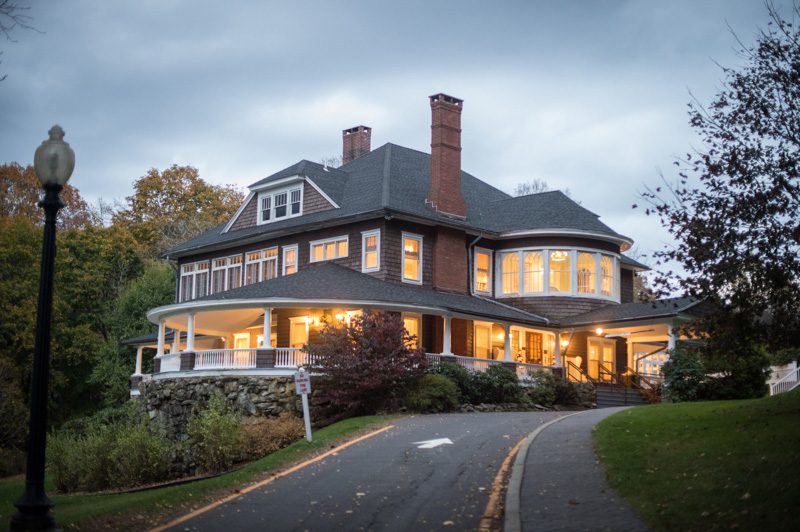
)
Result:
{"points": [[662, 308], [331, 282]]}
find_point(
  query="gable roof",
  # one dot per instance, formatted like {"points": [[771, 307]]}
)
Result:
{"points": [[332, 282], [393, 179]]}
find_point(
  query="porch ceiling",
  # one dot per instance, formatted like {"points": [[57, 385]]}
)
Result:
{"points": [[217, 322]]}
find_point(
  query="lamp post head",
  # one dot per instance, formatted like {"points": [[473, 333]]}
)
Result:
{"points": [[54, 160]]}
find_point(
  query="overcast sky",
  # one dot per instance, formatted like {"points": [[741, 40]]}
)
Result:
{"points": [[589, 96]]}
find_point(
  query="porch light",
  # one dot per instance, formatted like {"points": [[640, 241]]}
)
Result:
{"points": [[53, 162], [599, 331], [558, 256], [563, 343]]}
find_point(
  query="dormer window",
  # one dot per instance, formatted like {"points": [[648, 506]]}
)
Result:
{"points": [[274, 205]]}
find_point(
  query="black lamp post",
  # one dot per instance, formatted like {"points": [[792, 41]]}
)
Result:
{"points": [[53, 162]]}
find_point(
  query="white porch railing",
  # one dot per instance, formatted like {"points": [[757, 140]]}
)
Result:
{"points": [[290, 357], [786, 383], [524, 371], [225, 359]]}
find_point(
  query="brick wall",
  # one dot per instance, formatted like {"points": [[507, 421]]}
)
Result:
{"points": [[450, 261]]}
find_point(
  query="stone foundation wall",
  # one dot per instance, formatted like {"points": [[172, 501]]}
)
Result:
{"points": [[171, 402]]}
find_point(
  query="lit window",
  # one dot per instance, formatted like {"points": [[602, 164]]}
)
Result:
{"points": [[511, 273], [261, 265], [606, 275], [483, 340], [226, 273], [280, 204], [411, 325], [534, 271], [334, 248], [289, 259], [560, 271], [412, 258], [370, 251], [483, 271], [586, 273]]}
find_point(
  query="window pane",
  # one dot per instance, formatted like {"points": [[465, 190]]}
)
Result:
{"points": [[251, 273], [201, 280], [534, 271], [411, 325], [330, 250], [411, 262], [316, 252], [342, 248], [280, 199], [482, 261], [370, 259], [234, 277], [586, 273], [280, 212], [559, 271], [607, 275], [289, 261], [482, 341], [295, 201], [186, 287], [218, 281], [271, 268], [510, 273]]}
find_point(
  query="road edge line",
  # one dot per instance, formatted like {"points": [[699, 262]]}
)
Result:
{"points": [[264, 482], [513, 521]]}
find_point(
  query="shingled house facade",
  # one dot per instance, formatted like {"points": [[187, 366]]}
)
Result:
{"points": [[480, 277]]}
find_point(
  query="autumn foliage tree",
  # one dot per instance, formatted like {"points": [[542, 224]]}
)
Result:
{"points": [[173, 205], [368, 365], [734, 210]]}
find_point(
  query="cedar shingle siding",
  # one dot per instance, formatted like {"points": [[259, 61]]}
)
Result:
{"points": [[247, 218], [313, 201]]}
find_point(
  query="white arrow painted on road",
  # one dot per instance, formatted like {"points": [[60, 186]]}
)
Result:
{"points": [[430, 444]]}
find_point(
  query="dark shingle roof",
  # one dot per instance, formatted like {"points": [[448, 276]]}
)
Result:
{"points": [[626, 260], [330, 281], [395, 179], [633, 311]]}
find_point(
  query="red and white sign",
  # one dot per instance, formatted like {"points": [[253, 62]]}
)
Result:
{"points": [[302, 382]]}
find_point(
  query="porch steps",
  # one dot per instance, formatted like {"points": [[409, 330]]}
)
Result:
{"points": [[608, 396]]}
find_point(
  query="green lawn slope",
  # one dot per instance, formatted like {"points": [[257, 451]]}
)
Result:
{"points": [[708, 466]]}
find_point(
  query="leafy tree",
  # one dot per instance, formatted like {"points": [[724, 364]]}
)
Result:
{"points": [[20, 190], [368, 364], [735, 209], [174, 205]]}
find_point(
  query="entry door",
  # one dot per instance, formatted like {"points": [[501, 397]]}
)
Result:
{"points": [[601, 350], [298, 331], [483, 340]]}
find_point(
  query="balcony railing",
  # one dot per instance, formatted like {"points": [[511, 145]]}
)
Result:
{"points": [[225, 359]]}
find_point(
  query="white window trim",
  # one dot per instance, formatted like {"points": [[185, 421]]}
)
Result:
{"points": [[260, 261], [364, 235], [296, 249], [324, 241], [272, 193], [573, 251], [228, 266], [420, 239], [489, 282], [418, 317], [485, 325], [194, 273]]}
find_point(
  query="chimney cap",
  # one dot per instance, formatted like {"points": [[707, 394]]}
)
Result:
{"points": [[355, 129], [442, 97]]}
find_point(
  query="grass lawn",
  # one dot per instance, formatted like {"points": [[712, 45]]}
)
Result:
{"points": [[710, 465], [142, 509]]}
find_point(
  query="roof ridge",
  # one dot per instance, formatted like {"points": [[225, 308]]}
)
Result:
{"points": [[387, 170]]}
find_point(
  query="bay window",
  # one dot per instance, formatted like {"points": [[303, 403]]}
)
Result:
{"points": [[371, 251], [586, 273], [412, 258], [510, 273], [534, 271], [483, 270], [329, 249], [560, 271], [606, 275]]}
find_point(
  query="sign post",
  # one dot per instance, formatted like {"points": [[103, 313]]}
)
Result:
{"points": [[302, 385]]}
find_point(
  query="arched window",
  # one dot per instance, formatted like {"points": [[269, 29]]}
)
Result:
{"points": [[534, 271], [586, 273], [510, 273], [560, 271], [607, 275]]}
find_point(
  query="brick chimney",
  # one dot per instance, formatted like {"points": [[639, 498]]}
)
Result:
{"points": [[444, 192], [355, 142]]}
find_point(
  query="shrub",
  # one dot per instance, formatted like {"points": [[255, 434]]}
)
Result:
{"points": [[565, 393], [215, 436], [368, 365], [462, 378], [684, 375], [541, 388], [12, 462], [263, 435], [497, 385], [139, 456], [433, 393]]}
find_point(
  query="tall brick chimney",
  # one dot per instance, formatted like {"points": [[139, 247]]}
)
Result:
{"points": [[355, 142], [444, 193]]}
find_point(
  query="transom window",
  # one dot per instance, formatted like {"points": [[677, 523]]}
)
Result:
{"points": [[279, 204], [573, 272], [226, 273], [371, 251], [412, 258], [483, 270], [329, 249], [194, 280], [261, 265]]}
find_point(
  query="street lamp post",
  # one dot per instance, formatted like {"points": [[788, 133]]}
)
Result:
{"points": [[54, 161]]}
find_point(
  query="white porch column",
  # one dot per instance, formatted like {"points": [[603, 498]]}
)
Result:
{"points": [[138, 370], [161, 332], [507, 344], [176, 341], [673, 337], [446, 343], [557, 349], [267, 327], [190, 332]]}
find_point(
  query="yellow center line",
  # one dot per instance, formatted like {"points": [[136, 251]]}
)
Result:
{"points": [[276, 476], [492, 507]]}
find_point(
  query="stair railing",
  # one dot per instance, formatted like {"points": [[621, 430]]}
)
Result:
{"points": [[576, 373], [786, 383], [638, 380]]}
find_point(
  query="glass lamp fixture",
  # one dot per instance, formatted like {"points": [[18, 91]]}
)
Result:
{"points": [[599, 331], [54, 160], [559, 256]]}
